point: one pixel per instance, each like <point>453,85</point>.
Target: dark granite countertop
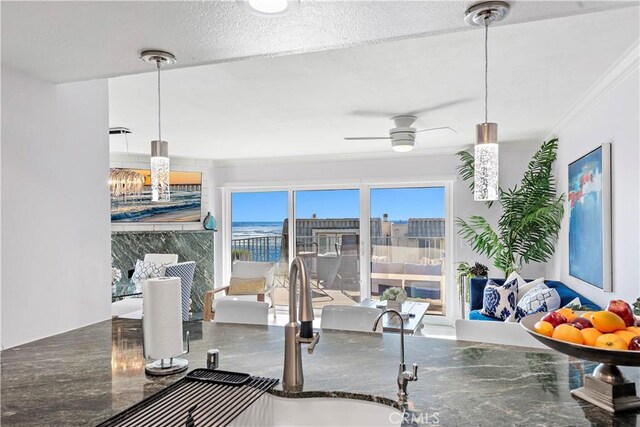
<point>85,376</point>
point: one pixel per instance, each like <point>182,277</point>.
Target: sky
<point>399,203</point>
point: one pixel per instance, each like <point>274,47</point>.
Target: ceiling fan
<point>402,135</point>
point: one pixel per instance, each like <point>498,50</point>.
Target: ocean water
<point>249,237</point>
<point>184,206</point>
<point>243,230</point>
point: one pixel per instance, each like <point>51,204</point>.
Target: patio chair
<point>243,312</point>
<point>244,289</point>
<point>308,251</point>
<point>350,318</point>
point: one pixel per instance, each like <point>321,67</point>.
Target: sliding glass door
<point>408,243</point>
<point>328,238</point>
<point>258,232</point>
<point>356,242</point>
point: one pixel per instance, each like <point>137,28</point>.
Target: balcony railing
<point>260,249</point>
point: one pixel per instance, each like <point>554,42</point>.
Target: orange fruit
<point>611,342</point>
<point>567,313</point>
<point>543,328</point>
<point>590,335</point>
<point>566,332</point>
<point>626,335</point>
<point>587,314</point>
<point>606,321</point>
<point>634,329</point>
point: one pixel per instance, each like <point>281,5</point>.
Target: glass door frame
<point>365,226</point>
<point>364,187</point>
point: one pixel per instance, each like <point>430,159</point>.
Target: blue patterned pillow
<point>500,301</point>
<point>521,313</point>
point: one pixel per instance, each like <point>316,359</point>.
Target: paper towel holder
<point>166,366</point>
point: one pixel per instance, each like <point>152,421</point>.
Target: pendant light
<point>160,171</point>
<point>486,150</point>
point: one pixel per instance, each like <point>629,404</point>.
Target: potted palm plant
<point>531,215</point>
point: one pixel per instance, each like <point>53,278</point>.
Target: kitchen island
<point>85,376</point>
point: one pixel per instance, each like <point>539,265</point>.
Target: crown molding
<point>618,72</point>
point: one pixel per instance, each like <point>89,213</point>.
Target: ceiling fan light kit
<point>403,135</point>
<point>159,163</point>
<point>486,165</point>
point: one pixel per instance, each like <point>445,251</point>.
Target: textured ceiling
<point>69,41</point>
<point>305,104</point>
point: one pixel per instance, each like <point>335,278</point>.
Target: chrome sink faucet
<point>296,333</point>
<point>404,376</point>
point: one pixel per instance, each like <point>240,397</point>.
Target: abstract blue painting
<point>590,218</point>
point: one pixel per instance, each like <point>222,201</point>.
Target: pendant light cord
<point>486,68</point>
<point>159,108</point>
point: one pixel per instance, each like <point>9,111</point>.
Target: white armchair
<point>244,270</point>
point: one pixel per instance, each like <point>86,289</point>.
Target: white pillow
<point>515,275</point>
<point>539,295</point>
<point>147,269</point>
<point>499,301</point>
<point>527,286</point>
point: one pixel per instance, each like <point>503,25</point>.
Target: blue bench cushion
<point>476,315</point>
<point>566,294</point>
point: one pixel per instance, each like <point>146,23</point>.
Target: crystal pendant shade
<point>486,172</point>
<point>486,178</point>
<point>487,163</point>
<point>160,171</point>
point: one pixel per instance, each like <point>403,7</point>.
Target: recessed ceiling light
<point>269,7</point>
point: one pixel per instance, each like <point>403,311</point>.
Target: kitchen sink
<point>270,410</point>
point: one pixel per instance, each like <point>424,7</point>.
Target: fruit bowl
<point>594,354</point>
<point>607,387</point>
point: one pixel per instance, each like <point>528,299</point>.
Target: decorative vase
<point>209,222</point>
<point>394,305</point>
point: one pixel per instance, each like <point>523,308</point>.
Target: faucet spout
<point>375,326</point>
<point>296,333</point>
<point>404,376</point>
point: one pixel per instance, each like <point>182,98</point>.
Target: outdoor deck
<point>339,298</point>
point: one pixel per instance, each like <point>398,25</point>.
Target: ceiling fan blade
<point>440,128</point>
<point>356,138</point>
<point>440,106</point>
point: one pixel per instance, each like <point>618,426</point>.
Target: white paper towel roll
<point>161,306</point>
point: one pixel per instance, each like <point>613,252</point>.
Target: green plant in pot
<point>528,228</point>
<point>394,298</point>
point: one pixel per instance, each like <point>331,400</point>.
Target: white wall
<point>140,161</point>
<point>55,207</point>
<point>393,168</point>
<point>611,116</point>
